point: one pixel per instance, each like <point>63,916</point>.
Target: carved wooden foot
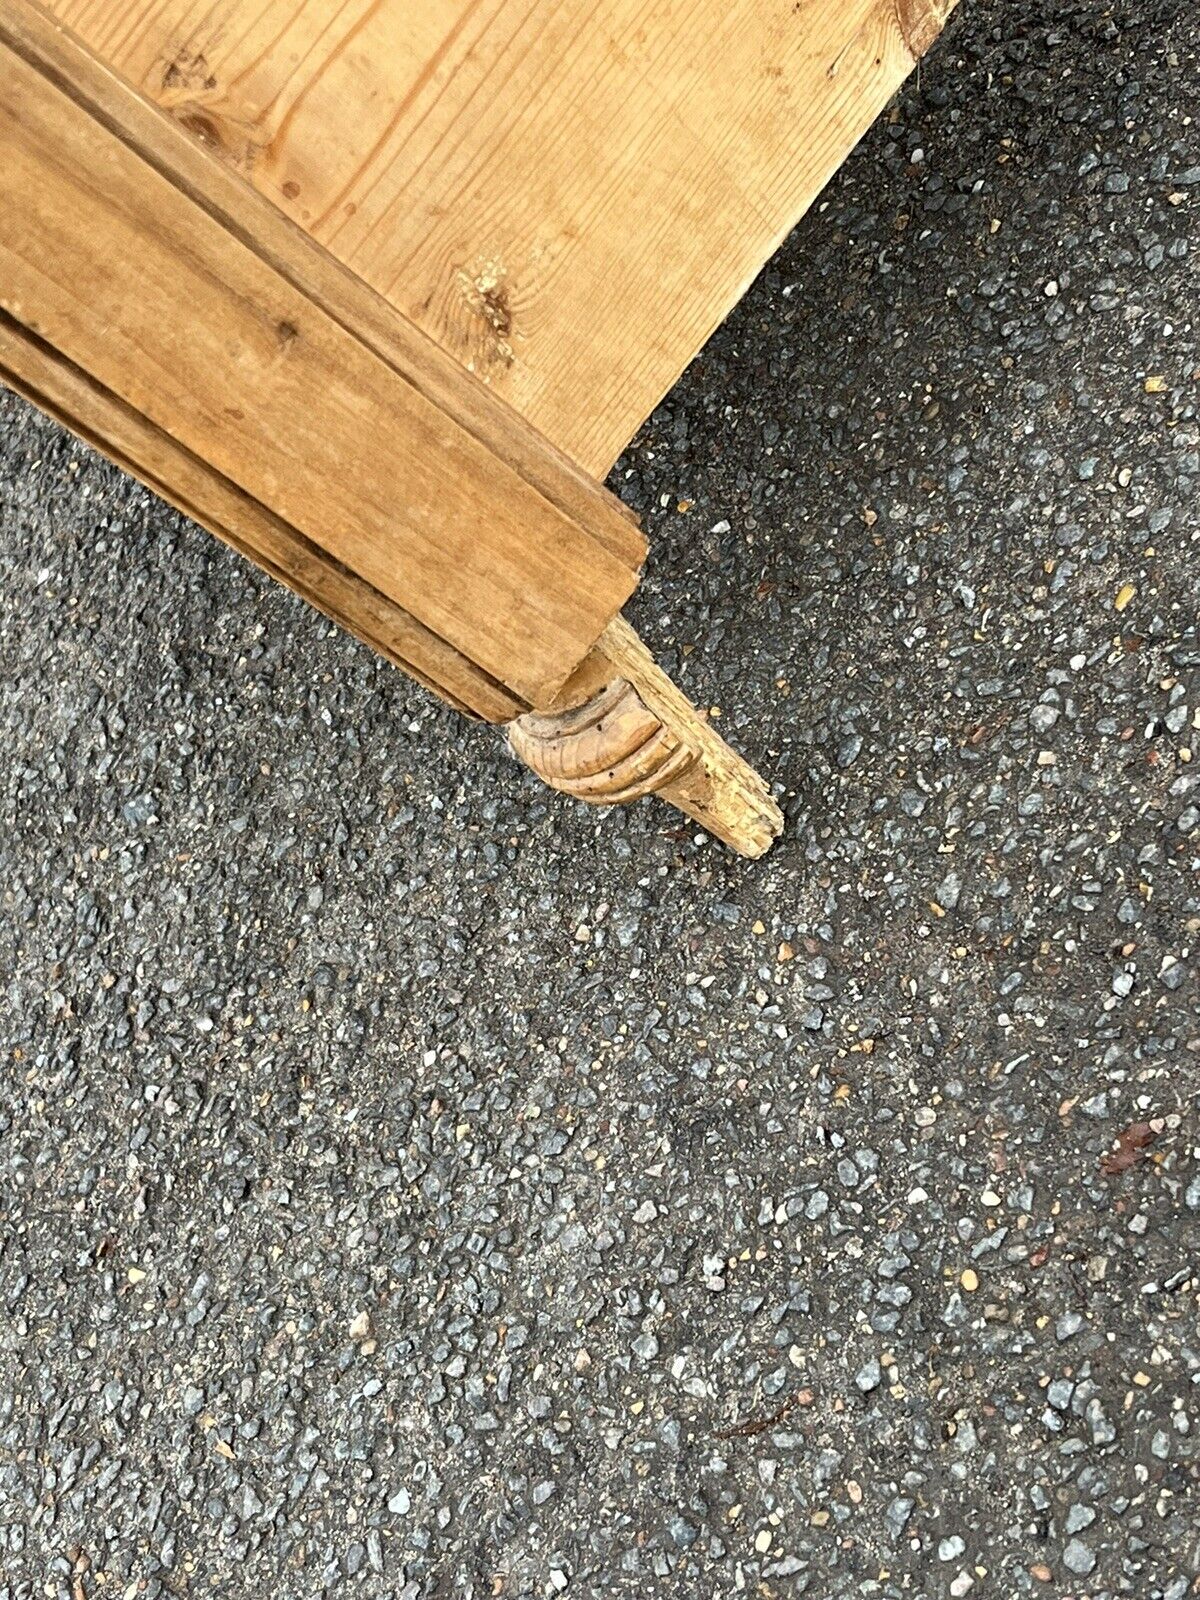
<point>620,730</point>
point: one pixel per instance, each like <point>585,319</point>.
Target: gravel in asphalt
<point>416,1185</point>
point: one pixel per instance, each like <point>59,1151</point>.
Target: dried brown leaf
<point>1131,1142</point>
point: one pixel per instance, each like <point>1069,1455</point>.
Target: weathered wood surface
<point>171,315</point>
<point>567,198</point>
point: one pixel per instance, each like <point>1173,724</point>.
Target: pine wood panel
<point>567,195</point>
<point>184,304</point>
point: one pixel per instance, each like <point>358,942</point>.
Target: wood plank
<point>44,377</point>
<point>189,164</point>
<point>567,198</point>
<point>145,268</point>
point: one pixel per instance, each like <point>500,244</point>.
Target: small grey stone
<point>896,1516</point>
<point>1102,1429</point>
<point>1077,1558</point>
<point>246,1503</point>
<point>375,1550</point>
<point>1059,1393</point>
<point>948,891</point>
<point>868,1377</point>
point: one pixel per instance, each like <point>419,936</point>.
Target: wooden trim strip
<point>45,378</point>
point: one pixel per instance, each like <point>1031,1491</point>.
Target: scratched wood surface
<point>568,197</point>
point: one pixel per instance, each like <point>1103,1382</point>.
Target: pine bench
<point>377,290</point>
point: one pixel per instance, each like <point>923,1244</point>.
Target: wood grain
<point>567,197</point>
<point>170,288</point>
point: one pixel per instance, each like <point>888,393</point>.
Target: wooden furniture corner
<point>376,290</point>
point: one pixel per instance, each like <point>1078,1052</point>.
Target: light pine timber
<point>178,295</point>
<point>579,316</point>
<point>139,284</point>
<point>567,197</point>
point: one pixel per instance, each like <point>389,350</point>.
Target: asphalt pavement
<point>413,1184</point>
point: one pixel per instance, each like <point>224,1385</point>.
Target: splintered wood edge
<point>637,734</point>
<point>921,21</point>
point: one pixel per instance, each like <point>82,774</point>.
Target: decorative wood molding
<point>625,731</point>
<point>608,751</point>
